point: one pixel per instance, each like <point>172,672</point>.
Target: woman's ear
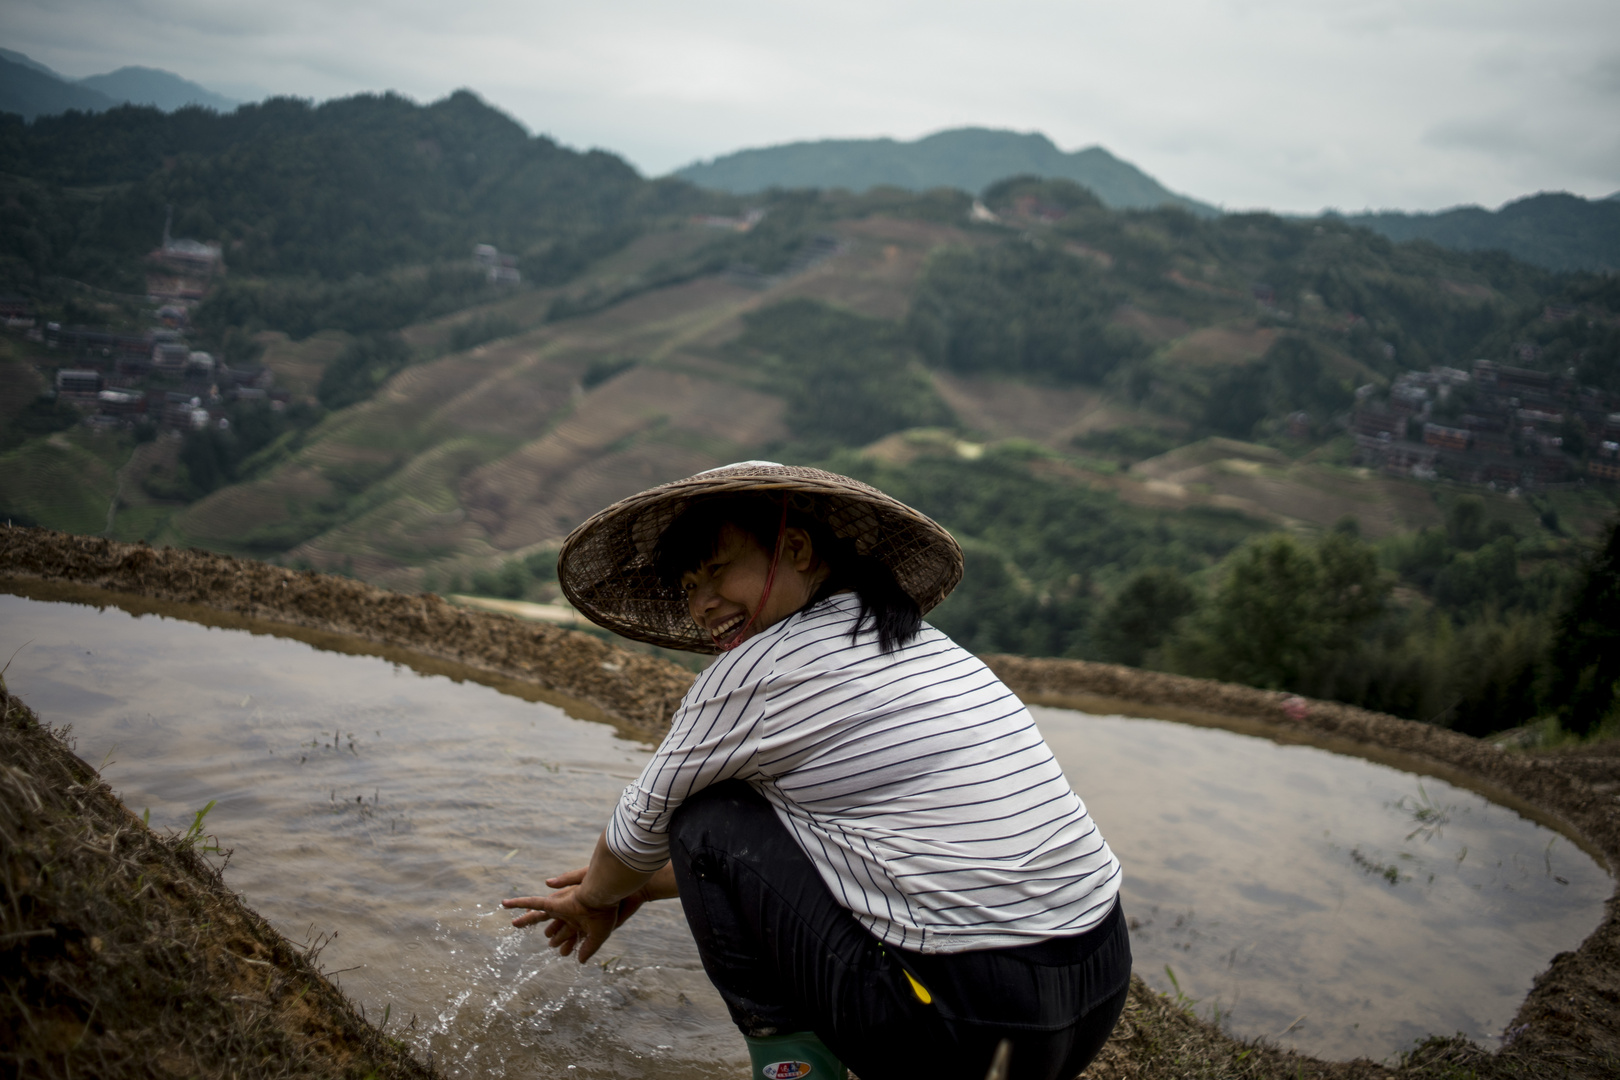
<point>799,549</point>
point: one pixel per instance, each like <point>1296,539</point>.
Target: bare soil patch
<point>1003,409</point>
<point>298,365</point>
<point>1221,345</point>
<point>875,272</point>
<point>587,460</point>
<point>1157,329</point>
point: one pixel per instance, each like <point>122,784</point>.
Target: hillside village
<point>1496,426</point>
<point>152,378</point>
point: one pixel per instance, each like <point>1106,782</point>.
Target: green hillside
<point>969,159</point>
<point>1136,421</point>
<point>1557,231</point>
<point>361,186</point>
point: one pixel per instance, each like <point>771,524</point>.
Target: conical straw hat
<point>606,565</point>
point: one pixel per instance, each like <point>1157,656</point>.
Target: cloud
<point>1602,76</point>
<point>1288,104</point>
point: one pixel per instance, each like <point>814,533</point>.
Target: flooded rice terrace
<point>1342,907</point>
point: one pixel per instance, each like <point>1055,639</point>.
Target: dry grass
<point>1219,346</point>
<point>298,365</point>
<point>1159,1038</point>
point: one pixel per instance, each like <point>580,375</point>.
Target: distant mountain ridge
<point>1555,231</point>
<point>28,91</point>
<point>32,89</point>
<point>153,86</point>
<point>969,159</point>
<point>1558,231</point>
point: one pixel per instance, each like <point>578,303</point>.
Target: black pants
<point>786,956</point>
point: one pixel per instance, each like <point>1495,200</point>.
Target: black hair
<point>694,537</point>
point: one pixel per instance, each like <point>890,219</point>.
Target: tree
<point>1351,592</point>
<point>1023,309</point>
<point>1465,522</point>
<point>1283,612</point>
<point>364,365</point>
<point>847,378</point>
<point>1142,616</point>
<point>1586,649</point>
<point>1291,375</point>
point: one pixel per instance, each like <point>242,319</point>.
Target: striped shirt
<point>915,781</point>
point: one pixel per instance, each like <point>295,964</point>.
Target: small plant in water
<point>1183,1002</point>
<point>194,837</point>
<point>1390,873</point>
<point>1429,816</point>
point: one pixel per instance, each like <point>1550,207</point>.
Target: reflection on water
<point>394,811</point>
<point>1349,905</point>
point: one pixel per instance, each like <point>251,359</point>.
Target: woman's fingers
<point>570,927</point>
<point>562,881</point>
<point>540,908</point>
<point>522,901</point>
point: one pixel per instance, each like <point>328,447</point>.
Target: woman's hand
<point>591,903</point>
<point>574,923</point>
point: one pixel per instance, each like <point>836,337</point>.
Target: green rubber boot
<point>793,1057</point>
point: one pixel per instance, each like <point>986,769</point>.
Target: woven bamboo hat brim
<point>606,565</point>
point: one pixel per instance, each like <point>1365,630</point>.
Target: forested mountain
<point>29,89</point>
<point>28,62</point>
<point>1558,231</point>
<point>969,159</point>
<point>1555,231</point>
<point>361,185</point>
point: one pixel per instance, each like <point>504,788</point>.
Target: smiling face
<point>724,591</point>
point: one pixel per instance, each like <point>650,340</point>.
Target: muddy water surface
<point>1346,907</point>
<point>393,810</point>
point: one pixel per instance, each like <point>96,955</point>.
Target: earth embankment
<point>635,690</point>
<point>125,954</point>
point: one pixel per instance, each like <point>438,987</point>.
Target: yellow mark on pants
<point>920,990</point>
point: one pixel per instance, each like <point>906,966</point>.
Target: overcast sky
<point>1291,105</point>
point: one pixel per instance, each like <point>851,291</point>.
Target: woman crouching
<point>880,859</point>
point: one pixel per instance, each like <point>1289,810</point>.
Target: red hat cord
<point>770,579</point>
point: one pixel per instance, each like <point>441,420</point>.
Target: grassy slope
<point>66,480</point>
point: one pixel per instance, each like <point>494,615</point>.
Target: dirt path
<point>1568,1026</point>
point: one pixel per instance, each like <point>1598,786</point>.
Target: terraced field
<point>499,449</point>
<point>61,479</point>
<point>471,456</point>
